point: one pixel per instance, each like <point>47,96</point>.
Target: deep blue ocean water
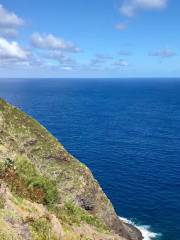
<point>126,131</point>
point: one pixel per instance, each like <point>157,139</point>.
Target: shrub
<point>48,187</point>
<point>9,163</point>
<point>27,171</point>
<point>25,180</point>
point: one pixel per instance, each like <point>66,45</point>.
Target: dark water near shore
<point>127,132</point>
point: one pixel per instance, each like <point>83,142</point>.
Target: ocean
<point>126,130</point>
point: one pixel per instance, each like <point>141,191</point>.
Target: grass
<point>25,181</point>
<point>72,214</point>
<point>2,202</point>
<point>7,233</point>
<point>41,230</point>
<point>26,169</point>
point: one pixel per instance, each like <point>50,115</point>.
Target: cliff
<point>45,193</point>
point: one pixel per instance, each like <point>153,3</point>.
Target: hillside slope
<point>45,193</point>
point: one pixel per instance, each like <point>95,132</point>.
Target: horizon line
<point>1,78</point>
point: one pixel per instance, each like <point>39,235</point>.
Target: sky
<point>92,38</point>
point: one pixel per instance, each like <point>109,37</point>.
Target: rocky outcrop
<point>24,142</point>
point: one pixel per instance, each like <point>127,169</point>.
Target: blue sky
<point>92,38</point>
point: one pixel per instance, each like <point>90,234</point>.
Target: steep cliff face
<point>35,168</point>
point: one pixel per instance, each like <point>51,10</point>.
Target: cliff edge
<point>45,193</point>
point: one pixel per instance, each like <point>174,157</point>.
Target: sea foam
<point>145,230</point>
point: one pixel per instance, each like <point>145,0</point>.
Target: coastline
<point>145,230</point>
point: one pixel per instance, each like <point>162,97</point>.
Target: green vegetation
<point>41,230</point>
<point>26,169</point>
<point>72,214</point>
<point>24,180</point>
<point>2,169</point>
<point>1,202</point>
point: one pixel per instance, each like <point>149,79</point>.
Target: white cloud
<point>9,22</point>
<point>52,43</point>
<point>131,7</point>
<point>121,63</point>
<point>11,51</point>
<point>9,19</point>
<point>164,53</point>
<point>121,26</point>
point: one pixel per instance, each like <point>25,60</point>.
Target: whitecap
<point>145,230</point>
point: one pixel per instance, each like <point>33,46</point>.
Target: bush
<point>24,179</point>
<point>27,170</point>
<point>48,187</point>
<point>9,163</point>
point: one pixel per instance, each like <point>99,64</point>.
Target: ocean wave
<point>145,230</point>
